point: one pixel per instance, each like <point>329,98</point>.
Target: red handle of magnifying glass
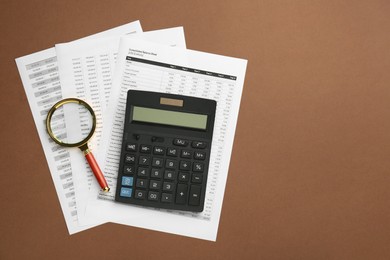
<point>96,170</point>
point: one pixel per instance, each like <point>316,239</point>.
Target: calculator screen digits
<point>166,117</point>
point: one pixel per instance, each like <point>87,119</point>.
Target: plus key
<point>181,193</point>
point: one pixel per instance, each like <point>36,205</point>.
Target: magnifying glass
<point>75,130</point>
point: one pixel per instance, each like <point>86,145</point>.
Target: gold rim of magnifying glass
<point>61,103</point>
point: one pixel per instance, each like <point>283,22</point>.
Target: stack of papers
<point>98,70</point>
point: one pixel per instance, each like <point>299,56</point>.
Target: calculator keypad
<point>168,174</point>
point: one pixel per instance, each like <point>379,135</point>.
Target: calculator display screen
<point>166,117</point>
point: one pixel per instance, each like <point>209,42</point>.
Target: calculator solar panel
<point>165,151</point>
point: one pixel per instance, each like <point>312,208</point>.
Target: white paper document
<point>86,69</point>
<point>41,81</point>
<point>146,66</point>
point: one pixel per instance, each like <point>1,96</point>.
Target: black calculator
<point>165,151</point>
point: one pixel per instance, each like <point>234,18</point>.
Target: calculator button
<point>172,152</point>
<point>143,172</point>
<point>140,194</point>
<point>141,183</point>
<point>185,165</point>
<point>180,142</point>
<point>199,155</point>
<point>194,195</point>
<point>199,144</point>
<point>196,178</point>
<point>129,158</point>
<point>171,164</point>
<point>144,160</point>
<point>126,192</point>
<point>198,167</point>
<point>158,150</point>
<point>145,148</point>
<point>181,193</point>
<point>157,162</point>
<point>186,154</point>
<point>169,175</point>
<point>156,173</point>
<point>168,186</point>
<point>128,169</point>
<point>127,181</point>
<point>166,197</point>
<point>153,195</point>
<point>184,176</point>
<point>155,185</point>
<point>131,147</point>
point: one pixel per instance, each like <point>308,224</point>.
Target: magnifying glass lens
<point>71,124</point>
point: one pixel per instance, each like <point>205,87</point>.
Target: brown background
<point>309,174</point>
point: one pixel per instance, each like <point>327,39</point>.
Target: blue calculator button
<point>126,192</point>
<point>127,181</point>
